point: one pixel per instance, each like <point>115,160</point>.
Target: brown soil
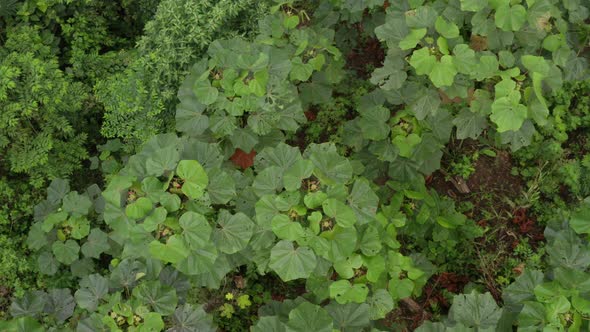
<point>368,55</point>
<point>491,178</point>
<point>493,194</point>
<point>5,294</point>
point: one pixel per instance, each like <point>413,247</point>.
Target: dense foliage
<point>295,165</point>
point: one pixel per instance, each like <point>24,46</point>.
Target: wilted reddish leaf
<point>478,43</point>
<point>243,159</point>
<point>240,282</point>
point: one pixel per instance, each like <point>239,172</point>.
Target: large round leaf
<point>196,229</point>
<point>345,292</point>
<point>199,261</point>
<point>75,203</point>
<point>96,244</point>
<point>139,209</point>
<point>173,251</point>
<point>286,229</point>
<point>308,317</point>
<point>290,263</point>
<point>349,317</point>
<point>47,263</point>
<point>194,176</point>
<point>205,93</point>
<point>93,288</point>
<point>188,319</point>
<point>344,215</point>
<point>161,299</point>
<point>66,252</point>
<point>233,232</point>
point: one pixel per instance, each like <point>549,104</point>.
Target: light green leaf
<point>172,252</point>
<point>508,114</point>
<point>488,67</point>
<point>291,22</point>
<point>349,317</point>
<point>314,199</point>
<point>192,170</point>
<point>286,229</point>
<point>139,209</point>
<point>478,311</point>
<point>189,318</point>
<point>67,252</point>
<point>510,18</point>
<point>268,324</point>
<point>443,73</point>
<point>448,30</point>
<point>536,64</point>
<point>161,161</point>
<point>504,88</point>
<point>269,181</point>
<point>75,203</point>
<point>370,244</point>
<point>156,218</point>
<point>196,229</point>
<point>198,261</point>
<point>299,70</point>
<point>308,317</point>
<point>580,220</point>
<point>330,167</point>
<point>161,299</point>
<point>318,61</point>
<point>412,39</point>
<point>205,93</point>
<point>401,289</point>
<point>258,84</point>
<point>292,178</point>
<point>380,304</point>
<point>171,202</point>
<point>345,292</point>
<point>80,227</point>
<point>290,263</point>
<point>233,232</point>
<point>363,201</point>
<point>342,242</point>
<point>344,215</point>
<point>406,144</point>
<point>422,61</point>
<point>53,220</point>
<point>346,267</point>
<point>473,5</point>
<point>222,187</point>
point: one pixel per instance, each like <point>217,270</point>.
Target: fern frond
<point>8,7</point>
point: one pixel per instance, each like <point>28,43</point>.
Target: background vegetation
<point>293,165</point>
